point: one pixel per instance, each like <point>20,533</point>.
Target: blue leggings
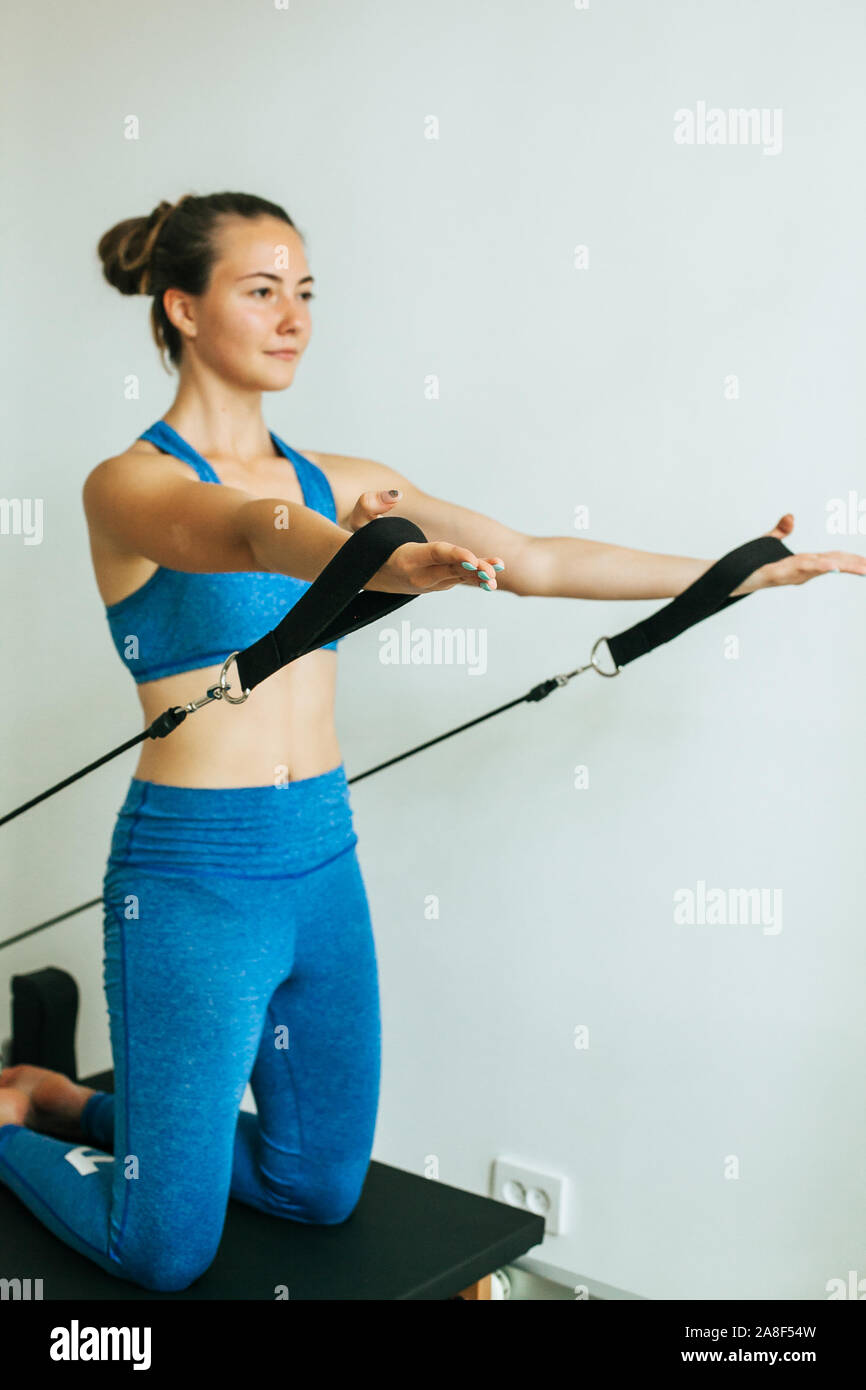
<point>237,947</point>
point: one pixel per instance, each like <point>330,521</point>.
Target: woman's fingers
<point>371,505</point>
<point>798,569</point>
<point>432,565</point>
<point>840,562</point>
<point>784,526</point>
<point>454,564</point>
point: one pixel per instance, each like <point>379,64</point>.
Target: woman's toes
<point>14,1107</point>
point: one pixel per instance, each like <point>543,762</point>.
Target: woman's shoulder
<point>117,464</point>
<point>107,480</point>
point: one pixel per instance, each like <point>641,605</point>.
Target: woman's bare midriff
<point>283,732</point>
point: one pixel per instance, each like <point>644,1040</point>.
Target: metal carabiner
<point>592,664</point>
<point>214,693</point>
<point>218,692</point>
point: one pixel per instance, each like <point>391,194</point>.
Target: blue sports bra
<point>180,622</point>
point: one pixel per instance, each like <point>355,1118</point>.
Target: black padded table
<point>408,1238</point>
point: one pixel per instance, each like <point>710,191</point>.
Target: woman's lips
<point>287,353</point>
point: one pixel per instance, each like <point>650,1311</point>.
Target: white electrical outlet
<point>541,1193</point>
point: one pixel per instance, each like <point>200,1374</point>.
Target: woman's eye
<point>266,289</point>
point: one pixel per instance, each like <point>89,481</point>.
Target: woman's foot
<point>46,1101</point>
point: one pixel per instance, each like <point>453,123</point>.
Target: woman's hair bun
<point>125,250</point>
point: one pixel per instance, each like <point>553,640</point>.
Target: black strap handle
<point>708,594</point>
<point>332,607</point>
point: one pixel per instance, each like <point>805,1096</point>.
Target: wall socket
<point>541,1193</point>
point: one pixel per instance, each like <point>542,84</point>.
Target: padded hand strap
<point>333,607</point>
<point>708,595</point>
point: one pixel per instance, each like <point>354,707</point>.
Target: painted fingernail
<point>467,566</point>
<point>499,567</point>
<point>486,588</point>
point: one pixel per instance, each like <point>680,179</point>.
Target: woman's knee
<point>334,1206</point>
<point>168,1270</point>
<point>325,1196</point>
<point>167,1262</point>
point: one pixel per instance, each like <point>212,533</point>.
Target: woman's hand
<point>416,568</point>
<point>797,569</point>
<point>422,568</point>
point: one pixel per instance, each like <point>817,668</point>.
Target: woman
<point>238,942</point>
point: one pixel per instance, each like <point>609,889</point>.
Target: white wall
<point>559,387</point>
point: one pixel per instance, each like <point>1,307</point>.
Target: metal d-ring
<point>223,685</point>
<point>594,663</point>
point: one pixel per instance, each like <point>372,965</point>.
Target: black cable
<point>130,743</point>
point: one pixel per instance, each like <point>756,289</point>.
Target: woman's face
<point>256,305</point>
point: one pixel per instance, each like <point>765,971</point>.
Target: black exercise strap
<point>332,608</point>
<point>708,595</point>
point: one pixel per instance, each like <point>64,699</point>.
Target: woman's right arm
<point>176,522</point>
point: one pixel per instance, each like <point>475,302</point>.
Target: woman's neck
<point>220,420</point>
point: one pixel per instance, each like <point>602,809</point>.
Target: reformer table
<point>408,1238</point>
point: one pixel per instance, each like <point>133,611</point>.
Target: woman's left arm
<point>556,566</point>
<point>579,568</point>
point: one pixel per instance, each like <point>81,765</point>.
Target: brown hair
<point>174,248</point>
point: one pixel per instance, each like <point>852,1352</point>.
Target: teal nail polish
<point>499,567</point>
<point>486,587</point>
<point>467,566</point>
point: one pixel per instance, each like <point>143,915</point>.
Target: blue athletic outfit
<point>238,947</point>
<point>181,622</point>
